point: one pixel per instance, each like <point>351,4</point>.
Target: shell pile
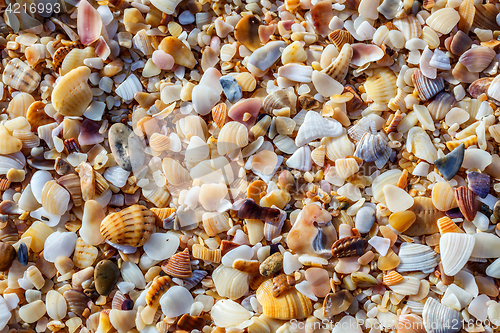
<point>257,166</point>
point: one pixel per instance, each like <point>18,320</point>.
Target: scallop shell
<point>279,99</point>
<point>55,198</point>
<point>247,32</point>
<point>443,20</point>
<point>456,249</point>
<point>373,148</point>
<point>72,95</point>
<point>417,257</point>
<point>179,265</point>
<point>290,305</point>
<point>477,59</point>
<point>340,37</point>
<point>18,75</point>
<point>392,278</point>
<point>440,106</point>
<point>230,282</point>
<point>381,86</point>
<point>427,216</point>
<point>215,223</point>
<point>443,196</point>
<point>232,136</point>
<point>131,226</point>
<point>246,81</point>
<point>84,255</point>
<point>175,173</point>
<point>339,66</point>
<point>409,286</point>
<point>205,254</point>
<point>467,203</point>
<point>445,224</point>
<point>438,318</point>
<point>410,26</point>
<point>426,88</point>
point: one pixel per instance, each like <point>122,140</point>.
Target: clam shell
<point>485,16</point>
<point>493,270</point>
<point>427,216</point>
<point>390,177</point>
<point>479,183</point>
<point>279,99</point>
<point>19,105</point>
<point>467,204</point>
<point>215,223</point>
<point>247,32</point>
<point>55,198</point>
<point>443,196</point>
<point>340,37</point>
<point>8,143</point>
<point>206,254</point>
<point>230,282</point>
<point>392,278</point>
<point>290,305</point>
<point>76,300</point>
<point>426,88</point>
<point>477,59</point>
<point>232,136</point>
<point>450,164</point>
<point>417,257</point>
<point>339,147</point>
<point>227,313</point>
<point>410,26</point>
<point>56,305</point>
<point>18,75</point>
<point>89,23</point>
<point>381,86</point>
<point>72,95</point>
<point>443,20</point>
<point>445,224</point>
<point>131,226</point>
<point>408,286</point>
<point>32,312</point>
<point>179,265</point>
<point>84,255</point>
<point>456,249</point>
<point>339,66</point>
<point>440,106</point>
<point>438,318</point>
<point>175,173</point>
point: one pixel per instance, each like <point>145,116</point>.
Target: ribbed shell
<point>156,290</point>
<point>71,182</point>
<point>77,301</point>
<point>230,282</point>
<point>349,247</point>
<point>72,95</point>
<point>339,147</point>
<point>427,216</point>
<point>426,88</point>
<point>439,318</point>
<point>440,106</point>
<point>445,224</point>
<point>219,114</point>
<point>179,265</point>
<point>279,99</point>
<point>289,305</point>
<point>214,223</point>
<point>340,65</point>
<point>392,278</point>
<point>18,75</point>
<point>417,257</point>
<point>467,203</point>
<point>206,254</point>
<point>456,249</point>
<point>232,136</point>
<point>131,226</point>
<point>84,255</point>
<point>443,196</point>
<point>410,26</point>
<point>340,37</point>
<point>381,86</point>
<point>55,198</point>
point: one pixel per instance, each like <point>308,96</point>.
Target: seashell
<point>230,282</point>
<point>227,313</point>
<point>219,114</point>
<point>232,136</point>
<point>426,88</point>
<point>245,111</point>
<point>132,273</point>
<point>205,254</point>
<point>55,198</point>
<point>231,89</point>
<point>479,183</point>
<point>365,53</point>
<point>337,70</point>
<point>436,317</point>
<point>401,221</point>
<point>410,26</point>
<point>371,148</point>
<point>427,216</point>
<point>56,305</point>
<point>321,15</point>
<point>87,181</point>
<point>290,305</point>
<point>175,173</point>
<point>215,223</point>
<point>477,59</point>
<point>410,323</point>
<point>179,265</point>
<point>247,32</point>
<point>247,266</point>
<point>456,249</point>
<point>485,17</point>
<point>450,164</point>
<point>318,155</point>
<point>72,95</point>
<point>486,245</point>
<point>315,127</point>
<point>8,143</point>
<point>307,102</point>
<point>188,323</point>
<point>296,72</point>
<point>156,290</point>
<point>392,126</point>
<point>19,105</point>
<point>389,261</point>
<point>162,214</point>
<point>28,138</point>
<point>293,53</point>
<point>84,255</point>
<point>340,37</point>
<point>89,23</point>
<point>443,196</point>
<point>440,106</point>
<point>336,303</point>
<point>62,52</point>
<point>279,99</point>
<point>18,75</point>
<point>339,147</point>
<point>122,320</point>
<point>131,226</point>
<point>420,145</point>
<point>479,86</point>
<point>32,312</point>
<point>445,224</point>
<point>392,278</point>
<point>417,257</point>
<point>77,301</point>
<point>346,167</point>
<point>300,159</point>
<point>409,286</point>
<point>466,11</point>
<point>182,55</point>
<point>349,247</point>
<point>166,6</point>
<point>443,20</point>
<point>263,57</point>
<point>467,204</point>
<point>381,86</point>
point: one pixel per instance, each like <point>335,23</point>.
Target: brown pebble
<point>272,264</point>
<point>7,256</point>
<point>189,323</point>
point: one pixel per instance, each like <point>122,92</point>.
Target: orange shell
<point>179,265</point>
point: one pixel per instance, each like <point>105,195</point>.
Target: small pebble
<point>105,276</point>
<point>231,88</point>
<point>271,265</point>
<point>7,256</point>
<point>186,17</point>
<point>22,254</point>
<point>365,217</point>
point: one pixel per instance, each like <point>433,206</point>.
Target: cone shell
<point>182,55</point>
<point>289,305</point>
<point>340,37</point>
<point>445,224</point>
<point>230,282</point>
<point>72,95</point>
<point>381,86</point>
<point>219,114</point>
<point>392,278</point>
<point>205,254</point>
<point>156,290</point>
<point>232,136</point>
<point>179,265</point>
<point>18,75</point>
<point>467,204</point>
<point>55,198</point>
<point>427,216</point>
<point>71,182</point>
<point>443,196</point>
<point>131,226</point>
<point>84,255</point>
<point>401,221</point>
<point>456,249</point>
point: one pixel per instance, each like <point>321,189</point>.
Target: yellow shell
<point>18,75</point>
<point>443,196</point>
<point>205,254</point>
<point>19,104</point>
<point>179,265</point>
<point>75,58</point>
<point>341,37</point>
<point>232,136</point>
<point>401,221</point>
<point>36,115</point>
<point>156,290</point>
<point>84,255</point>
<point>162,213</point>
<point>8,143</point>
<point>247,32</point>
<point>179,51</point>
<point>38,232</point>
<point>214,223</point>
<point>389,261</point>
<point>445,224</point>
<point>176,174</point>
<point>219,114</point>
<point>246,81</point>
<point>289,305</point>
<point>381,86</point>
<point>346,167</point>
<point>72,95</point>
<point>392,278</point>
<point>468,141</point>
<point>427,216</point>
<point>131,226</point>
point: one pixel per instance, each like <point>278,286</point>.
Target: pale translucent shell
<point>493,270</point>
<point>346,167</point>
<point>38,232</point>
<point>5,314</point>
<point>436,314</point>
<point>72,95</point>
<point>93,214</point>
<point>230,282</point>
<point>56,305</point>
<point>443,196</point>
<point>84,255</point>
<point>176,301</point>
<point>227,313</point>
<point>339,147</point>
<point>176,174</point>
<point>161,246</point>
<point>486,246</point>
<point>417,257</point>
<point>232,136</point>
<point>55,198</point>
<point>59,244</point>
<point>408,286</point>
<point>456,249</point>
<point>456,116</point>
<point>389,177</point>
<point>31,312</point>
<point>410,323</point>
<point>443,20</point>
<point>122,320</point>
<point>420,145</point>
<point>214,223</point>
<point>397,199</point>
<point>132,273</point>
<point>166,6</point>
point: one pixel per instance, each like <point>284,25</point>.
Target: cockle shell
<point>426,88</point>
<point>179,265</point>
<point>408,286</point>
<point>410,26</point>
<point>349,247</point>
<point>72,95</point>
<point>417,257</point>
<point>131,226</point>
<point>230,282</point>
<point>443,196</point>
<point>55,198</point>
<point>340,37</point>
<point>84,255</point>
<point>443,20</point>
<point>381,86</point>
<point>315,127</point>
<point>18,75</point>
<point>477,58</point>
<point>182,55</point>
<point>339,66</point>
<point>467,204</point>
<point>445,224</point>
<point>456,249</point>
<point>290,305</point>
<point>439,318</point>
<point>232,136</point>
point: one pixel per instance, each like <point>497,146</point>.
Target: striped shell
<point>219,114</point>
<point>443,196</point>
<point>381,86</point>
<point>392,278</point>
<point>232,136</point>
<point>230,282</point>
<point>179,265</point>
<point>426,88</point>
<point>340,37</point>
<point>131,226</point>
<point>206,254</point>
<point>156,290</point>
<point>214,223</point>
<point>55,198</point>
<point>18,75</point>
<point>84,255</point>
<point>290,305</point>
<point>445,224</point>
<point>62,52</point>
<point>349,247</point>
<point>71,182</point>
<point>72,95</point>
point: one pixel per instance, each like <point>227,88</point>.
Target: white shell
<point>5,314</point>
<point>316,127</point>
<point>56,305</point>
<point>420,145</point>
<point>456,298</point>
<point>296,72</point>
<point>338,147</point>
<point>59,244</point>
<point>301,159</point>
<point>232,136</point>
<point>132,273</point>
<point>227,313</point>
<point>397,199</point>
<point>128,88</point>
<point>389,177</point>
<point>230,282</point>
<point>439,318</point>
<point>493,270</point>
<point>456,249</point>
<point>417,257</point>
<point>161,246</point>
<point>486,246</point>
<point>409,286</point>
<point>176,301</point>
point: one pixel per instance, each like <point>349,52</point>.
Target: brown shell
<point>467,203</point>
<point>227,246</point>
<point>479,87</point>
<point>219,114</point>
<point>280,284</point>
<point>36,115</point>
<point>18,75</point>
<point>131,226</point>
<point>394,122</point>
<point>307,102</point>
<point>467,11</point>
<point>356,102</point>
<point>485,17</point>
<point>349,247</point>
<point>156,290</point>
<point>427,216</point>
<point>189,323</point>
<point>71,182</point>
<point>247,32</point>
<point>77,301</point>
<point>321,15</point>
<point>340,37</point>
<point>256,190</point>
<point>179,265</point>
<point>247,266</point>
<point>62,52</point>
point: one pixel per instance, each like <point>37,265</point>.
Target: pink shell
<point>163,60</point>
<point>249,105</point>
<point>102,49</point>
<point>88,23</point>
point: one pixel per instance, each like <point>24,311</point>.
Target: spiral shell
<point>179,265</point>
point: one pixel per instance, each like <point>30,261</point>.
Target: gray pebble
<point>186,17</point>
<point>126,147</point>
<point>365,217</point>
<point>231,88</point>
<point>105,276</point>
